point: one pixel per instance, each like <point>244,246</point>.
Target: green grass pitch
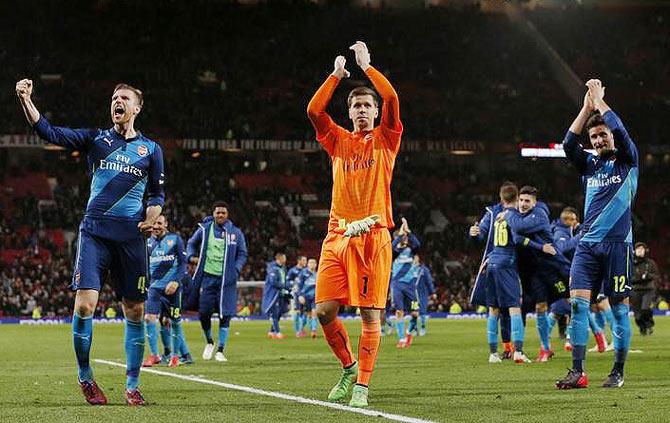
<point>443,377</point>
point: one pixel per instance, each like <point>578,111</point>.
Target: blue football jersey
<point>293,277</point>
<point>167,260</point>
<point>609,183</point>
<point>307,283</point>
<point>122,171</point>
<point>402,266</point>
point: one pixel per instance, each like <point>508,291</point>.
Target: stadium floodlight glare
<point>555,150</point>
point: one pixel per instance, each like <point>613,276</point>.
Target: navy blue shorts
<point>548,285</point>
<point>561,307</point>
<point>603,265</point>
<point>310,304</point>
<point>503,287</point>
<point>158,302</point>
<point>404,297</point>
<point>125,260</point>
<point>296,302</point>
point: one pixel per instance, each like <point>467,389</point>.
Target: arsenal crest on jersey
<point>142,150</point>
<point>170,242</point>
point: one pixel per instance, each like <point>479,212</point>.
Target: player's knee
<point>541,307</point>
<point>84,309</point>
<point>150,318</point>
<point>370,315</point>
<point>133,310</point>
<point>325,314</point>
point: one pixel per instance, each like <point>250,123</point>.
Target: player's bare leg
<point>82,334</point>
<point>338,339</point>
<point>134,345</point>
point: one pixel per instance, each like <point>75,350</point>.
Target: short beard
<point>607,153</point>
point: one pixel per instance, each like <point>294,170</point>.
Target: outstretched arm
<point>625,146</point>
<point>316,109</point>
<point>74,139</point>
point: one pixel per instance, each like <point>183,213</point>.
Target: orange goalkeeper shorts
<point>355,271</point>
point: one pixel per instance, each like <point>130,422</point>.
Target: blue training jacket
<point>275,283</point>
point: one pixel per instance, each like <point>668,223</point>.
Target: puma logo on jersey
<point>108,141</point>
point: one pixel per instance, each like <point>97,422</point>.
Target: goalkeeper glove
<point>358,227</point>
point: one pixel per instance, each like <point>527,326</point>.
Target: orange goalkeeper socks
<point>338,339</point>
<point>368,345</point>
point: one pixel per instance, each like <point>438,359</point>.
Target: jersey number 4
<point>500,234</point>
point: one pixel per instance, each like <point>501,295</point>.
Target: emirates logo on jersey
<point>142,150</point>
<point>357,162</point>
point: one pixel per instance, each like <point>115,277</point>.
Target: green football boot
<point>343,387</point>
<point>359,397</point>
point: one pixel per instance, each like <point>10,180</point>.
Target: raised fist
<point>24,89</point>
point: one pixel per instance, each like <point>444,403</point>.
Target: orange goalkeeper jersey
<point>362,161</point>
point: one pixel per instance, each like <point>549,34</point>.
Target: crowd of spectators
<point>246,71</point>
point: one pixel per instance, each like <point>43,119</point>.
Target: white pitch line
<point>288,397</point>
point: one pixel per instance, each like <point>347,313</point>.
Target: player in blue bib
<point>603,256</point>
<point>218,249</point>
<point>307,294</point>
<point>167,266</point>
<point>124,166</point>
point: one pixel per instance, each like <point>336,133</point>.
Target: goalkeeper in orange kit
<point>356,256</point>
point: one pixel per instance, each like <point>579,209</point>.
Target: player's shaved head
<point>509,193</point>
<point>570,209</point>
<point>362,91</point>
<point>569,217</point>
